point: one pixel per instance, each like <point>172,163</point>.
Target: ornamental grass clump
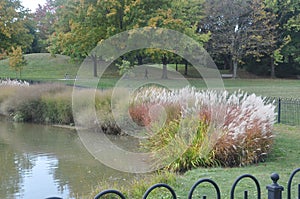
<point>45,103</point>
<point>204,128</point>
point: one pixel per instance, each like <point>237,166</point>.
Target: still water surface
<point>41,161</point>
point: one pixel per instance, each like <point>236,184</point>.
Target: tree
<point>227,20</point>
<point>263,38</point>
<point>13,30</point>
<point>191,13</point>
<point>83,24</point>
<point>45,19</point>
<point>288,14</point>
<point>17,60</point>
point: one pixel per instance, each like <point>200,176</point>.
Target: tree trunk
<point>165,71</point>
<point>235,66</point>
<point>186,67</point>
<point>228,63</point>
<point>139,59</point>
<point>272,68</point>
<point>177,66</point>
<point>94,58</point>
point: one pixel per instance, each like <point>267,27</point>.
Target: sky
<point>32,4</point>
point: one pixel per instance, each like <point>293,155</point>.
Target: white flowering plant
<point>9,82</point>
<point>211,127</point>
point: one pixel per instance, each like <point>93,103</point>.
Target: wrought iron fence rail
<point>274,190</point>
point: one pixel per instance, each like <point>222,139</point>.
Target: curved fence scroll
<point>274,190</point>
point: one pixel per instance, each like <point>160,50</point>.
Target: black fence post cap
<point>274,178</point>
<point>275,186</point>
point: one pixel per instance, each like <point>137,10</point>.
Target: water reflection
<point>39,173</point>
<point>41,161</point>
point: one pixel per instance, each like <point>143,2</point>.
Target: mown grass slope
<point>42,67</point>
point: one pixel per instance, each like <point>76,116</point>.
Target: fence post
<point>274,190</point>
<point>279,111</point>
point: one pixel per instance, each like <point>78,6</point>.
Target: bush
<point>58,108</point>
<point>208,128</point>
<point>49,103</point>
<point>85,109</point>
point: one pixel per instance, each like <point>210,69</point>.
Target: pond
<point>40,161</point>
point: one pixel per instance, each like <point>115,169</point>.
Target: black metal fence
<point>274,190</point>
<point>288,111</point>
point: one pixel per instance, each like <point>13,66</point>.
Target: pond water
<point>40,161</point>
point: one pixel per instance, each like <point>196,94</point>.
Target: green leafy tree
<point>13,25</point>
<point>84,24</point>
<point>44,18</point>
<point>263,35</point>
<point>288,14</point>
<point>17,60</point>
<point>227,21</point>
<point>82,32</point>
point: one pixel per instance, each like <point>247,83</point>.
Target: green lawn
<point>284,88</point>
<point>283,160</point>
<point>42,67</point>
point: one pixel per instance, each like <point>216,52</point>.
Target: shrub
<point>104,113</point>
<point>205,128</point>
<point>48,103</point>
<point>58,108</point>
<point>85,110</point>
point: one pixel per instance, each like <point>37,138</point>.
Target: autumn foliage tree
<point>263,39</point>
<point>17,60</point>
<point>44,17</point>
<point>90,22</point>
<point>231,30</point>
<point>14,21</point>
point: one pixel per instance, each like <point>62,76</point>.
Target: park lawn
<point>45,68</point>
<point>42,67</point>
<point>284,88</point>
<point>283,159</point>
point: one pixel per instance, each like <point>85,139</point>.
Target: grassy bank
<point>284,88</point>
<point>42,67</point>
<point>263,87</point>
<point>45,68</point>
<point>52,104</point>
<point>47,103</point>
<point>283,159</point>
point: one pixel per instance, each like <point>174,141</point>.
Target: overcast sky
<point>32,4</point>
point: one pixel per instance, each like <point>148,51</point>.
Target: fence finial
<point>274,190</point>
